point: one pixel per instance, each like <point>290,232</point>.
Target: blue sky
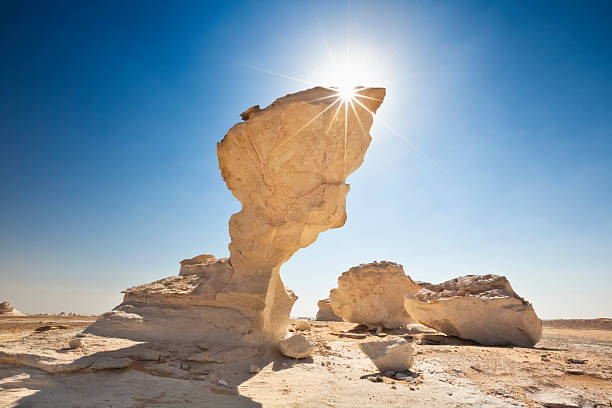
<point>491,154</point>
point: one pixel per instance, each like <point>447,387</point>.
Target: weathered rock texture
<point>6,309</point>
<point>483,308</point>
<point>296,346</point>
<point>373,295</point>
<point>391,355</point>
<point>287,164</point>
<point>326,313</point>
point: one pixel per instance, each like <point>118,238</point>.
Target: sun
<point>346,92</point>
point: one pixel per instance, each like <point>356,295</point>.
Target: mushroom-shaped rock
<point>287,164</point>
<point>392,355</point>
<point>326,313</point>
<point>296,346</point>
<point>6,309</point>
<point>483,308</point>
<point>373,295</point>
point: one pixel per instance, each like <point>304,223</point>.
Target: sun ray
<point>303,127</point>
<point>345,129</point>
<point>357,116</point>
<point>412,145</point>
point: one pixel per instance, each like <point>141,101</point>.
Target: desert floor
<point>38,369</point>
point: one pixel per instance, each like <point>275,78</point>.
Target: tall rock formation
<point>373,295</point>
<point>287,164</point>
<point>483,308</point>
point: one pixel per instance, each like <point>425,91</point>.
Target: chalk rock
<point>296,346</point>
<point>373,295</point>
<point>392,355</point>
<point>6,309</point>
<point>302,325</point>
<point>287,165</point>
<point>76,343</point>
<point>203,265</point>
<point>483,308</point>
<point>326,313</point>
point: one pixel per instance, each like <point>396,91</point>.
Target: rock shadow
<point>444,340</point>
<point>284,363</point>
<point>136,376</point>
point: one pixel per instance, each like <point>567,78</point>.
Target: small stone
<point>302,325</point>
<point>394,355</point>
<point>401,376</point>
<point>76,343</point>
<point>254,369</point>
<point>223,383</point>
<point>574,372</point>
<point>296,346</point>
<point>575,361</point>
<point>394,387</point>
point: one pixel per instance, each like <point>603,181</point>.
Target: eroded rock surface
<point>373,295</point>
<point>296,346</point>
<point>326,313</point>
<point>392,355</point>
<point>6,309</point>
<point>287,164</point>
<point>483,308</point>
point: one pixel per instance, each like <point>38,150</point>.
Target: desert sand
<point>570,367</point>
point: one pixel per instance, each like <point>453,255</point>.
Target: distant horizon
<point>492,152</point>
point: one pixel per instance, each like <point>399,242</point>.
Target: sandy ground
<point>570,367</point>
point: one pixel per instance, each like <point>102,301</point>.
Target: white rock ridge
<point>483,308</point>
<point>287,164</point>
<point>6,309</point>
<point>326,313</point>
<point>373,295</point>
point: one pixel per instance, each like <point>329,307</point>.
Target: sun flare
<point>346,92</point>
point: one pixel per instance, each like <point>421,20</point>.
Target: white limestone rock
<point>483,308</point>
<point>302,325</point>
<point>76,343</point>
<point>296,346</point>
<point>287,165</point>
<point>326,313</point>
<point>391,355</point>
<point>6,309</point>
<point>373,295</point>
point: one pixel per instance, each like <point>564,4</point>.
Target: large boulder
<point>326,313</point>
<point>6,309</point>
<point>392,355</point>
<point>373,295</point>
<point>483,308</point>
<point>287,165</point>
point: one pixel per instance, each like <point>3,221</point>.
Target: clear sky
<point>491,154</point>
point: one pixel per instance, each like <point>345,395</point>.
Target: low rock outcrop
<point>483,308</point>
<point>287,165</point>
<point>373,295</point>
<point>392,355</point>
<point>6,309</point>
<point>326,313</point>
